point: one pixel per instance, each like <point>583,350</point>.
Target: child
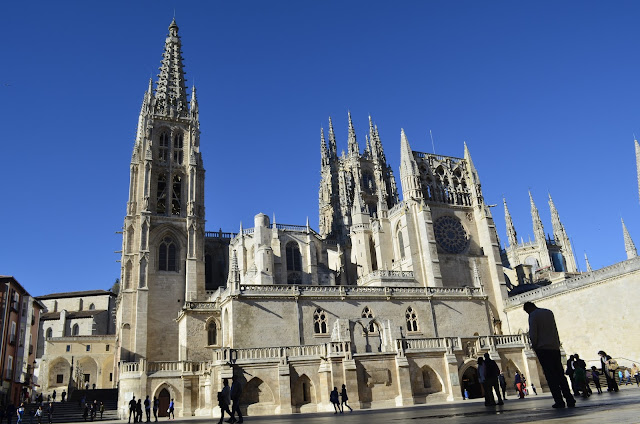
<point>595,375</point>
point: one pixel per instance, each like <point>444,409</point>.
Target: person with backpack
<point>609,367</point>
<point>224,399</point>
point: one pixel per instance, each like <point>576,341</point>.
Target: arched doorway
<point>164,398</point>
<point>471,383</point>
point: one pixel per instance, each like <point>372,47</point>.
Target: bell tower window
<point>161,207</point>
<point>167,255</point>
<point>176,195</point>
<point>177,148</point>
<point>163,148</point>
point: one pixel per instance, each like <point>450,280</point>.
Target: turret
<point>333,149</point>
<point>629,246</point>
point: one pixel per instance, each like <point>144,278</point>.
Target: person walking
<point>482,372</point>
<point>39,415</point>
<point>546,344</point>
<point>172,407</point>
<point>64,395</point>
<point>85,413</point>
<point>533,387</point>
<point>519,385</point>
<point>132,409</point>
<point>569,373</point>
<point>147,408</point>
<point>503,385</point>
<point>491,373</point>
<point>54,396</point>
<point>139,411</point>
<point>50,413</point>
<point>344,398</point>
<point>635,371</point>
<point>595,376</point>
<point>609,367</point>
<point>627,376</point>
<point>236,392</point>
<point>20,413</point>
<point>101,410</point>
<point>334,399</point>
<point>156,406</point>
<point>621,377</point>
<point>224,399</point>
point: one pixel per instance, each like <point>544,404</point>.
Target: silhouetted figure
<point>147,408</point>
<point>546,343</point>
<point>595,376</point>
<point>50,412</point>
<point>236,391</point>
<point>10,412</point>
<point>64,395</point>
<point>224,399</point>
<point>54,396</point>
<point>491,373</point>
<point>139,410</point>
<point>156,406</point>
<point>344,398</point>
<point>333,397</point>
<point>503,385</point>
<point>132,409</point>
<point>101,410</point>
<point>609,367</point>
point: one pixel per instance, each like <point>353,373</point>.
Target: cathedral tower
<point>163,234</point>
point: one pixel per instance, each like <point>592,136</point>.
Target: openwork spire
<point>171,93</point>
<point>538,229</point>
<point>324,154</point>
<point>629,247</point>
<point>333,149</point>
<point>354,149</point>
<point>511,229</point>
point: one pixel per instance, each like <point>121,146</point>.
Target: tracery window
<point>294,260</point>
<point>161,194</point>
<point>177,148</point>
<point>320,321</point>
<point>401,244</point>
<point>212,333</point>
<point>412,320</point>
<point>76,330</point>
<point>167,255</point>
<point>176,195</point>
<point>163,148</point>
<point>367,313</point>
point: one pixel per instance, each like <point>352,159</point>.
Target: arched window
<point>92,307</point>
<point>320,322</point>
<point>76,330</point>
<point>80,304</point>
<point>212,333</point>
<point>400,244</point>
<point>412,320</point>
<point>168,255</point>
<point>367,313</point>
<point>294,260</point>
<point>49,333</point>
<point>163,148</point>
<point>176,194</point>
<point>161,195</point>
<point>177,148</point>
<point>128,275</point>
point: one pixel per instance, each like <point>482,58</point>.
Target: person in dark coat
<point>139,410</point>
<point>132,409</point>
<point>333,397</point>
<point>50,412</point>
<point>605,366</point>
<point>503,385</point>
<point>147,408</point>
<point>10,412</point>
<point>224,398</point>
<point>156,406</point>
<point>595,376</point>
<point>236,391</point>
<point>491,373</point>
<point>344,398</point>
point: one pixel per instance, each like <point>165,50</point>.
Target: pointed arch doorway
<point>164,398</point>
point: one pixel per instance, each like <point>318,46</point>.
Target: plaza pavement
<point>620,408</point>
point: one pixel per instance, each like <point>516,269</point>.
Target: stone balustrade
<point>453,344</point>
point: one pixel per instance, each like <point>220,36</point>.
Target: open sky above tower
<point>544,94</point>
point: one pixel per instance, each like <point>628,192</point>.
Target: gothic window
<point>294,260</point>
<point>412,320</point>
<point>168,255</point>
<point>163,148</point>
<point>320,322</point>
<point>80,304</point>
<point>367,313</point>
<point>175,195</point>
<point>130,234</point>
<point>177,148</point>
<point>400,244</point>
<point>76,330</point>
<point>161,207</point>
<point>92,307</point>
<point>212,333</point>
<point>49,333</point>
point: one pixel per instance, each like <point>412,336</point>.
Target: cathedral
<point>395,295</point>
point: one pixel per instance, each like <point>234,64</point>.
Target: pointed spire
<point>308,227</point>
<point>333,149</point>
<point>589,269</point>
<point>638,163</point>
<point>194,100</point>
<point>234,272</point>
<point>354,149</point>
<point>409,172</point>
<point>467,156</point>
<point>367,148</point>
<point>511,230</point>
<point>324,153</point>
<point>241,229</point>
<point>171,94</point>
<point>629,247</point>
<point>538,229</point>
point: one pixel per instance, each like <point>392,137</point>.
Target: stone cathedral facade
<point>395,295</point>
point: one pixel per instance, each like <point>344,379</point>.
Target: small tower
<point>629,246</point>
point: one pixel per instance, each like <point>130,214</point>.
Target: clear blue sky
<point>544,93</point>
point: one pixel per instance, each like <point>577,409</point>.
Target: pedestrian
<point>333,398</point>
<point>466,394</point>
<point>344,398</point>
<point>609,367</point>
<point>54,396</point>
<point>94,409</point>
<point>50,413</point>
<point>482,380</point>
<point>620,376</point>
<point>546,344</point>
<point>635,371</point>
<point>85,412</point>
<point>86,385</point>
<point>64,395</point>
<point>627,376</point>
<point>20,413</point>
<point>503,385</point>
<point>519,385</point>
<point>491,373</point>
<point>139,410</point>
<point>132,409</point>
<point>156,406</point>
<point>533,387</point>
<point>569,373</point>
<point>236,392</point>
<point>171,406</point>
<point>101,410</point>
<point>39,414</point>
<point>147,408</point>
<point>595,376</point>
<point>580,377</point>
<point>224,399</point>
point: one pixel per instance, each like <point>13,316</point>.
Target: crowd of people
<point>135,409</point>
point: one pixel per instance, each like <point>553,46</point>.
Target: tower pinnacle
<point>538,229</point>
<point>354,149</point>
<point>171,94</point>
<point>629,247</point>
<point>511,230</point>
<point>409,172</point>
<point>333,149</point>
